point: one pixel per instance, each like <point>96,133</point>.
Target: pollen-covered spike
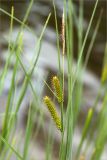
<point>57,87</point>
<point>52,109</point>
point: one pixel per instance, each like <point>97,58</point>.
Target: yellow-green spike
<point>52,109</point>
<point>57,87</point>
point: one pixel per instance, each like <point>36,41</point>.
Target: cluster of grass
<point>9,144</point>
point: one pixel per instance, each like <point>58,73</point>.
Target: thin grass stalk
<point>104,70</point>
<point>63,45</point>
<point>28,75</point>
<point>4,72</point>
<point>69,113</point>
<point>19,21</point>
<point>11,91</point>
<point>84,41</point>
<point>79,85</point>
<point>92,40</point>
<point>12,148</point>
<point>101,137</point>
<point>90,130</point>
<point>57,34</point>
<point>28,133</point>
<point>49,145</point>
<point>6,130</point>
<point>85,131</point>
<point>13,48</point>
<point>10,152</point>
<point>26,81</point>
<point>63,53</point>
<point>91,133</point>
<point>98,120</point>
<point>80,26</point>
<point>62,154</point>
<point>62,87</point>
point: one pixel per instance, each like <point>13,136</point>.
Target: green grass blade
<point>92,40</point>
<point>85,131</point>
<point>13,48</point>
<point>10,147</point>
<point>28,134</point>
<point>57,35</point>
<point>4,72</point>
<point>10,94</point>
<point>84,41</point>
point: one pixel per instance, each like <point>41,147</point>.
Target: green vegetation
<point>94,135</point>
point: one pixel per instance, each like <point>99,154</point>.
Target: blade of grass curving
<point>101,137</point>
<point>10,152</point>
<point>2,76</point>
<point>27,134</point>
<point>10,147</point>
<point>10,94</point>
<point>92,40</point>
<point>27,12</point>
<point>100,142</point>
<point>84,133</point>
<point>37,112</point>
<point>6,118</point>
<point>29,74</point>
<point>91,133</point>
<point>49,88</point>
<point>84,41</point>
<point>19,21</point>
<point>6,152</point>
<point>90,130</point>
<point>87,57</point>
<point>98,120</point>
<point>18,51</point>
<point>13,48</point>
<point>27,79</point>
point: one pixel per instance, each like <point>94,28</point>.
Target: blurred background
<point>40,11</point>
<point>47,63</point>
